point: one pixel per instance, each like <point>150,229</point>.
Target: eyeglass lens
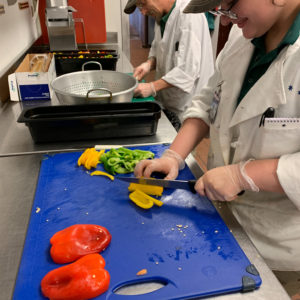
<point>225,12</point>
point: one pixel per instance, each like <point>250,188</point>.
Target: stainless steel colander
<point>101,86</point>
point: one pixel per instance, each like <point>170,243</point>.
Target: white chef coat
<point>187,69</point>
<point>271,220</point>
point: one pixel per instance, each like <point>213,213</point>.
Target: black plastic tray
<point>93,121</point>
<point>67,62</point>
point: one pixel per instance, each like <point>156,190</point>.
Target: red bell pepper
<point>78,240</point>
<point>81,280</point>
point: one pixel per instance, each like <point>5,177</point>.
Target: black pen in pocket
<point>269,113</point>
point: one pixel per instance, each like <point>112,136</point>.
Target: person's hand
<point>142,70</point>
<point>145,90</point>
<point>169,164</point>
<point>165,165</point>
<point>224,183</point>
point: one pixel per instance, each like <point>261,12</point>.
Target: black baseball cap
<point>200,6</point>
<point>130,7</point>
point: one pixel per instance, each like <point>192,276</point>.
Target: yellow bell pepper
<point>90,158</point>
<point>157,202</point>
<point>102,173</point>
<point>82,158</point>
<point>140,199</point>
<point>143,200</point>
<point>147,189</point>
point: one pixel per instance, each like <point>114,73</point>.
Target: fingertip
<point>173,173</point>
<point>199,187</point>
<point>138,169</point>
<point>201,193</point>
<point>148,171</point>
<point>230,198</point>
<point>199,183</point>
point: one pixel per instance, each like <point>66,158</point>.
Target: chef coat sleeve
<point>152,52</point>
<point>193,36</point>
<point>288,175</point>
<point>201,102</point>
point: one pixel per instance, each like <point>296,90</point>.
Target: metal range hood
<point>60,25</point>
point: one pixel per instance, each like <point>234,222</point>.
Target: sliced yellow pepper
<point>143,200</point>
<point>101,152</point>
<point>147,189</point>
<point>157,202</point>
<point>82,157</point>
<point>91,161</point>
<point>90,158</point>
<point>102,173</point>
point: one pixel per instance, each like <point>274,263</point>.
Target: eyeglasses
<point>225,12</point>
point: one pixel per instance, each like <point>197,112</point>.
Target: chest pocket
<point>277,137</point>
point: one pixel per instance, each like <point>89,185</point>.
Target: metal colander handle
<point>99,89</point>
<point>91,62</point>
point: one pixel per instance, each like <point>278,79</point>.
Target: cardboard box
<point>31,80</point>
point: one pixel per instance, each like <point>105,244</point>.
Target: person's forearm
<point>161,84</point>
<point>189,136</point>
<point>263,173</point>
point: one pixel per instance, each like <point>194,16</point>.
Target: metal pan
<point>101,86</point>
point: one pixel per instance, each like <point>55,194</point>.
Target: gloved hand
<point>224,183</point>
<point>145,90</point>
<point>169,164</point>
<point>142,70</point>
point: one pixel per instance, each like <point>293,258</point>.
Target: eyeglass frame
<point>225,12</point>
<point>140,5</point>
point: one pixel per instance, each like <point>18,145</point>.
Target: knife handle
<point>192,185</point>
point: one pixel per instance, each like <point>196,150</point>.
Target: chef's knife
<point>172,184</point>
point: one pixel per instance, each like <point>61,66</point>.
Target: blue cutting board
<point>184,244</point>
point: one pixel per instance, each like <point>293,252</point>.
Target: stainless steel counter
<point>20,161</point>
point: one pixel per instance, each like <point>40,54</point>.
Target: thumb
<point>136,73</point>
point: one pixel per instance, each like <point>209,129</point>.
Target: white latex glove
<point>224,183</point>
<point>142,70</point>
<point>169,164</point>
<point>145,90</point>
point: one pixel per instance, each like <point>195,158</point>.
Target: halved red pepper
<point>84,279</point>
<point>78,240</point>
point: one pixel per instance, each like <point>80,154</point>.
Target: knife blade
<point>172,184</point>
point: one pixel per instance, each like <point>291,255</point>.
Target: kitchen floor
<point>138,55</point>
